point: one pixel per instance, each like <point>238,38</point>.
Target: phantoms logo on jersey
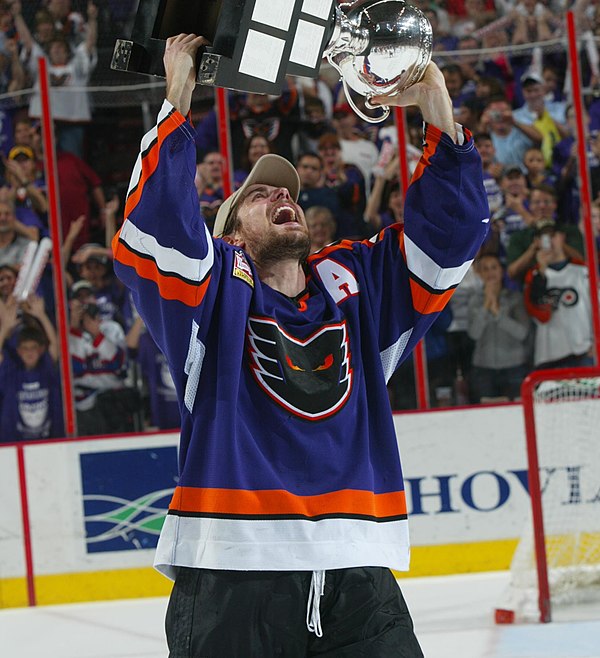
<point>311,377</point>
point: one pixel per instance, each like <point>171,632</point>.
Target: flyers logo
<point>561,297</point>
<point>310,377</point>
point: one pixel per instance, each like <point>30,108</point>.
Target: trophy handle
<point>382,117</point>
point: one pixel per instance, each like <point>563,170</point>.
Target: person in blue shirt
<point>30,390</point>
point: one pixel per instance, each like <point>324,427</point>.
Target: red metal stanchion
<point>27,544</point>
<point>56,235</point>
<point>419,355</point>
<point>584,177</point>
<point>224,139</point>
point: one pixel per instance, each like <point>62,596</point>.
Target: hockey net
<point>556,565</point>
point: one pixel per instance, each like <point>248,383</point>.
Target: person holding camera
<point>557,297</point>
<point>511,137</point>
<point>524,244</point>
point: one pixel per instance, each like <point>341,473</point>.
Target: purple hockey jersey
<point>288,453</point>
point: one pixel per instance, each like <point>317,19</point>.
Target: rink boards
<point>83,516</point>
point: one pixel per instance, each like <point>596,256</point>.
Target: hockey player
<point>290,508</point>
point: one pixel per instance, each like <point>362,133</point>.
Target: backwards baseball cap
<point>530,77</point>
<point>270,169</point>
<point>98,257</point>
<point>80,285</point>
<point>16,151</point>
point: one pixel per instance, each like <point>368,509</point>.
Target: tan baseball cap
<point>270,169</point>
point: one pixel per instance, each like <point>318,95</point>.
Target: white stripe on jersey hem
<point>281,545</point>
<point>392,354</point>
<point>428,271</point>
<point>168,259</point>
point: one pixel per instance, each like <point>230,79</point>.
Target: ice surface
<point>453,618</point>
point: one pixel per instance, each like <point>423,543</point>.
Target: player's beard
<point>282,246</point>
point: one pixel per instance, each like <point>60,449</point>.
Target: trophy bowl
<point>380,47</point>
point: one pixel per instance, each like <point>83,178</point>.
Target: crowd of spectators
<point>524,304</point>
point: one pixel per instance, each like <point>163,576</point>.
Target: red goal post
<point>540,389</point>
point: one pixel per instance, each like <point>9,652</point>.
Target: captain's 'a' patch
<point>242,269</point>
<point>310,377</point>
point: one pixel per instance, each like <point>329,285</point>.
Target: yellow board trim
<point>459,558</point>
<point>146,582</point>
<point>88,586</point>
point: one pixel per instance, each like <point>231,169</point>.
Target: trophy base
<point>252,46</point>
<point>212,69</point>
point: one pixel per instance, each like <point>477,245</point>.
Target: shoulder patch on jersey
<point>242,269</point>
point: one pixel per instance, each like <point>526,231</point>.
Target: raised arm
<point>25,35</point>
<point>91,39</point>
<point>164,252</point>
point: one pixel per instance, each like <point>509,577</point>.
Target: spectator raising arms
<point>30,400</point>
<point>69,68</point>
<point>385,205</point>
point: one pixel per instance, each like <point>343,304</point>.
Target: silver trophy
<point>379,47</point>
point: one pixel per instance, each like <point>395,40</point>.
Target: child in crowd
<point>535,168</point>
<point>30,390</point>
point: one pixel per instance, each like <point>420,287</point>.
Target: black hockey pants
<point>264,614</point>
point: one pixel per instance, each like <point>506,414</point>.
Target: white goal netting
<point>567,433</point>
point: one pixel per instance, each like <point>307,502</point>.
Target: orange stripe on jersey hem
<point>281,503</point>
<point>170,287</point>
<point>426,302</point>
<point>150,160</point>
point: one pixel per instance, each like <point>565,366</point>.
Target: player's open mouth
<point>284,214</point>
